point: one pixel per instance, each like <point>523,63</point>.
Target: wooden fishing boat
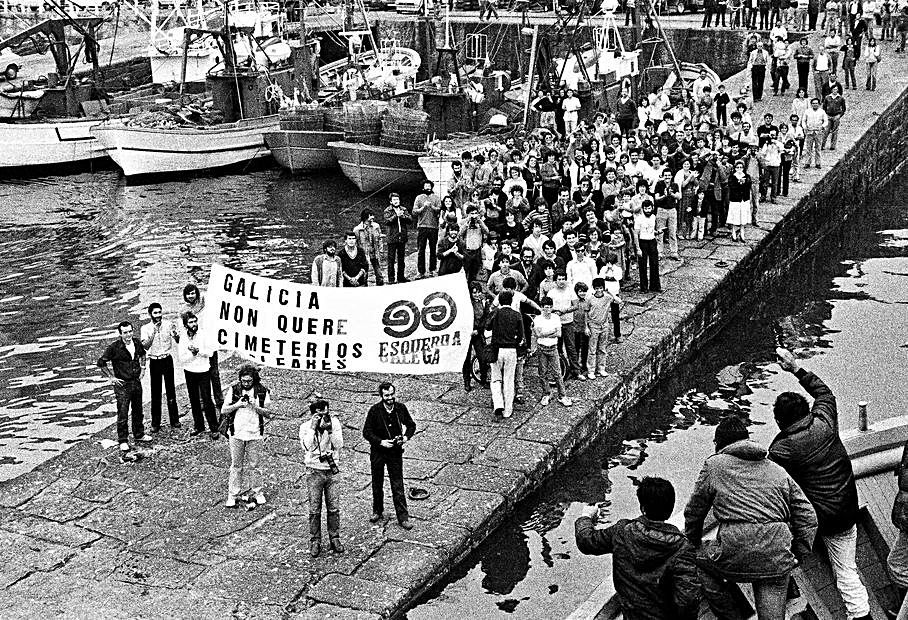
<point>142,151</point>
<point>875,455</point>
<point>65,141</point>
<point>373,168</point>
<point>303,150</point>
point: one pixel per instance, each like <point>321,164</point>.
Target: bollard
<point>862,416</point>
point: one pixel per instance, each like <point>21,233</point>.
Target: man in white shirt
<point>582,268</point>
<point>701,82</point>
<point>322,438</point>
<point>814,124</point>
<point>194,356</point>
<point>564,301</point>
<point>571,107</point>
<point>647,251</point>
<point>159,339</point>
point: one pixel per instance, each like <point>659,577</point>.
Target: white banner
<point>418,328</point>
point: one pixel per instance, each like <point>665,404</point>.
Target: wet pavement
<point>830,310</point>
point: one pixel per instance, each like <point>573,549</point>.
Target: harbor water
<point>79,253</point>
<point>843,309</point>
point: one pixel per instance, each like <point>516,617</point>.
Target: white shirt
<point>571,105</point>
<point>246,421</point>
<point>698,85</point>
<point>612,274</point>
<point>194,362</point>
<point>562,299</point>
<point>645,227</point>
<point>542,325</point>
<point>131,347</point>
<point>163,340</point>
<point>581,270</point>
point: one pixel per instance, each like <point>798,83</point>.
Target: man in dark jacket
<point>653,564</point>
<point>809,448</point>
<point>397,219</point>
<point>388,427</point>
<point>506,326</point>
<point>764,519</point>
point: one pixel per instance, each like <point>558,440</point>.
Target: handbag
<point>490,353</point>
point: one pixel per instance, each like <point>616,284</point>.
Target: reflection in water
<point>842,310</point>
<point>79,253</point>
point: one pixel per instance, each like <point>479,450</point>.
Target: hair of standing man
<point>384,386</point>
<point>190,288</point>
<point>365,215</point>
<point>656,497</point>
<point>248,370</point>
<point>154,306</point>
<point>186,316</point>
<point>121,325</point>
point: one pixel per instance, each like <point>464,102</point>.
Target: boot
<point>334,519</point>
<point>315,534</point>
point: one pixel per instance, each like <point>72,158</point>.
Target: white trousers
<point>502,384</point>
<point>841,549</point>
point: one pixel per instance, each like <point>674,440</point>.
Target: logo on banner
<point>403,317</point>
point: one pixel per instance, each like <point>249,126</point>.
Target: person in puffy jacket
<point>653,564</point>
<point>809,448</point>
<point>764,521</point>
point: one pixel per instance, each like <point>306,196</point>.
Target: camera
<point>329,459</point>
<point>398,441</point>
<point>245,398</point>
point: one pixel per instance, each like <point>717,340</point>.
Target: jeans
<point>812,147</point>
<point>162,369</point>
<point>667,219</point>
<point>396,256</point>
<point>871,76</point>
<point>502,384</point>
<point>898,560</point>
<point>217,392</point>
<point>244,463</point>
<point>198,384</point>
<point>549,369</point>
<point>757,79</point>
<point>321,482</point>
<point>820,78</point>
<point>472,263</point>
<point>129,395</point>
<point>426,236</point>
<point>769,595</point>
<point>568,345</point>
<point>803,74</point>
<point>786,175</point>
<point>598,341</point>
<point>832,132</point>
<point>850,80</point>
<point>841,550</point>
<point>770,183</point>
<point>393,459</point>
<point>583,347</point>
<point>616,323</point>
<point>375,263</point>
<point>649,257</point>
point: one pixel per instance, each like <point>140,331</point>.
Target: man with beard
<point>194,357</point>
<point>398,221</point>
<point>388,427</point>
<point>426,209</point>
<point>326,268</point>
<point>353,262</point>
<point>159,339</point>
<point>127,356</point>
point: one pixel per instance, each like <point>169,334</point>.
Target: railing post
<point>862,416</point>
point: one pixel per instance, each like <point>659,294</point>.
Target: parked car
<point>10,63</point>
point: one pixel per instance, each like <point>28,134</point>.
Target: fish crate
<point>303,118</point>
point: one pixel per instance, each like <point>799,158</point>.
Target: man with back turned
<point>388,427</point>
<point>809,448</point>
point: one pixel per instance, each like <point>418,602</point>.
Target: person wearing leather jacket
<point>809,448</point>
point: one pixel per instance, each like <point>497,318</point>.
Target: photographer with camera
<point>243,423</point>
<point>388,427</point>
<point>322,439</point>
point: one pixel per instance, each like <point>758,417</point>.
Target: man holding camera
<point>388,427</point>
<point>322,439</point>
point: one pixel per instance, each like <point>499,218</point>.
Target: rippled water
<point>79,253</point>
<point>844,308</point>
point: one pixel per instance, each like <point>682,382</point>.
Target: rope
<point>372,195</point>
<point>113,44</point>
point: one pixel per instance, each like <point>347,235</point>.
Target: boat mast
<point>531,74</point>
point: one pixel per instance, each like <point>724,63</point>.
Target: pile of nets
<point>173,117</point>
<point>305,117</point>
<point>404,128</point>
<point>363,121</point>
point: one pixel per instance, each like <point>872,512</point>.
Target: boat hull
<point>27,144</point>
<point>374,168</point>
<point>303,150</point>
<point>142,151</point>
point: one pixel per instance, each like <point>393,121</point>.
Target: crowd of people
<point>770,505</point>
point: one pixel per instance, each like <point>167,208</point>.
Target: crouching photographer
<point>322,439</point>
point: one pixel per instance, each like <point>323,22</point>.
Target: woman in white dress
<point>739,189</point>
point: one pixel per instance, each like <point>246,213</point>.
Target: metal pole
<point>862,416</point>
<point>531,74</point>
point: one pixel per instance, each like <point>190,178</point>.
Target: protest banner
<point>418,328</point>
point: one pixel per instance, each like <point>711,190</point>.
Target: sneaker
<point>143,439</point>
<point>591,375</point>
<point>231,502</point>
<point>214,435</point>
<point>375,518</point>
<point>260,499</point>
<point>545,400</point>
<point>498,411</point>
<point>564,400</point>
<point>124,447</point>
<point>507,414</point>
<point>315,548</point>
<point>405,524</point>
<point>337,546</point>
<point>581,376</point>
<point>196,432</point>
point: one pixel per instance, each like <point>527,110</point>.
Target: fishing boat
<point>303,150</point>
<point>145,151</point>
<point>46,122</point>
<point>373,168</point>
<point>875,454</point>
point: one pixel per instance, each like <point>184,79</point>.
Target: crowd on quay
<point>240,413</point>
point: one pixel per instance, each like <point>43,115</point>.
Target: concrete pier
<point>86,536</point>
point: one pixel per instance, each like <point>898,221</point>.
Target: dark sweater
<point>383,425</point>
<point>507,328</point>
